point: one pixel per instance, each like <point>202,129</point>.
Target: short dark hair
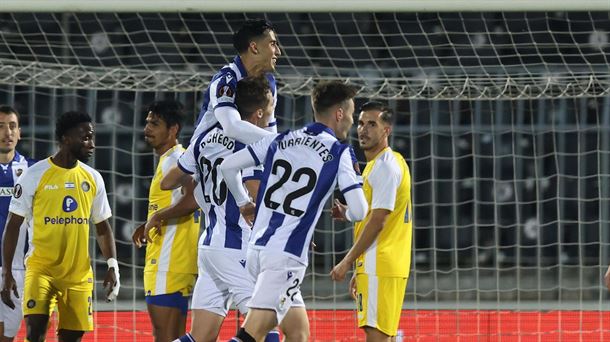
<point>9,110</point>
<point>251,29</point>
<point>69,120</point>
<point>170,111</point>
<point>386,114</point>
<point>330,93</point>
<point>251,95</point>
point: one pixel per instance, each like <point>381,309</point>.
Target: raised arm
<point>236,128</point>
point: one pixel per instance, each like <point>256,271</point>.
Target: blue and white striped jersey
<point>301,170</point>
<point>9,173</point>
<point>221,92</point>
<point>225,227</point>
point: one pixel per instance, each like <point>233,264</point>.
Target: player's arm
<point>105,239</point>
<point>100,213</point>
<point>175,178</point>
<point>185,205</point>
<point>236,128</point>
<point>9,245</point>
<point>230,170</point>
<point>252,187</point>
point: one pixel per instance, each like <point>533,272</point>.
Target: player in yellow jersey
<point>62,196</point>
<point>382,248</point>
<point>171,252</point>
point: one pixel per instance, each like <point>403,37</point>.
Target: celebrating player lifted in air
<point>222,249</point>
<point>60,196</point>
<point>301,170</point>
<point>258,50</point>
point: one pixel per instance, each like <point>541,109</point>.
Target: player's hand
<point>137,237</point>
<point>338,211</point>
<point>339,271</point>
<point>9,285</point>
<point>112,281</point>
<point>248,211</point>
<point>606,279</point>
<point>353,290</point>
<point>153,223</point>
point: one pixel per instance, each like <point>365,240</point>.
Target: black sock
<point>244,336</point>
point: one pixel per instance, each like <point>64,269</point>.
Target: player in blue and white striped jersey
<point>12,165</point>
<point>222,248</point>
<point>301,170</point>
<point>258,50</point>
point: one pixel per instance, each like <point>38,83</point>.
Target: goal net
<point>503,117</point>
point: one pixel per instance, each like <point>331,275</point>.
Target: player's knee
<point>299,335</point>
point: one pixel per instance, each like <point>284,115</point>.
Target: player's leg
<point>295,325</point>
<point>75,312</point>
<point>167,302</point>
<point>379,315</point>
<point>277,288</point>
<point>11,318</point>
<point>212,292</point>
<point>38,294</point>
<point>165,316</point>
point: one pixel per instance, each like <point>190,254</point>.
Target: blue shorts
<point>172,300</point>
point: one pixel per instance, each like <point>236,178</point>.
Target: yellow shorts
<point>74,301</point>
<point>159,283</point>
<point>379,302</point>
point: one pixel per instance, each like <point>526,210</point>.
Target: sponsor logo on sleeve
<point>17,190</point>
<point>225,94</point>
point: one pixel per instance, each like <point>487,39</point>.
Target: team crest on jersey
<point>85,186</point>
<point>18,172</point>
<point>17,190</point>
<point>31,304</point>
<point>69,204</point>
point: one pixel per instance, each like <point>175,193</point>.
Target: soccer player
<point>171,252</point>
<point>13,164</point>
<point>258,50</point>
<point>382,248</point>
<point>301,170</point>
<point>60,196</point>
<point>222,249</point>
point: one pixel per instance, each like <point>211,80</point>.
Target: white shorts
<point>278,282</point>
<point>222,278</point>
<point>12,317</point>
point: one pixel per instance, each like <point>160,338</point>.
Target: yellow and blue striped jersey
<point>387,185</point>
<point>175,250</point>
<point>61,204</point>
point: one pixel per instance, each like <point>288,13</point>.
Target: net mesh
<point>503,119</point>
<point>389,55</point>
